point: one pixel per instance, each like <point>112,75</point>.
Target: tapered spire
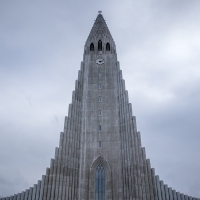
<point>100,36</point>
<point>99,30</point>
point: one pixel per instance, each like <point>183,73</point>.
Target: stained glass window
<point>100,183</point>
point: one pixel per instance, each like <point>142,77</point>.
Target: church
<point>100,156</point>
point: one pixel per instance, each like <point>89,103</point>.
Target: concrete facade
<point>100,130</point>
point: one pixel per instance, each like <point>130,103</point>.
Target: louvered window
<point>99,45</point>
<point>107,47</point>
<point>91,47</point>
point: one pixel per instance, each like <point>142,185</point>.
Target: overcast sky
<point>41,48</point>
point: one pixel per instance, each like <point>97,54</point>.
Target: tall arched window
<point>100,183</point>
<point>99,45</point>
<point>91,47</point>
<point>107,47</point>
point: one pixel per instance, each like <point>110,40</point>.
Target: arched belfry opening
<point>107,47</point>
<point>99,45</point>
<point>91,47</point>
<point>100,183</point>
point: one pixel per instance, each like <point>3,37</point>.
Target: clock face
<point>100,61</point>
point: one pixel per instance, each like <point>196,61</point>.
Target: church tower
<point>100,156</point>
<point>112,163</point>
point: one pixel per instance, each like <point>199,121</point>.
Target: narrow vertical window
<point>100,99</point>
<point>100,144</point>
<point>99,45</point>
<point>100,86</point>
<point>107,47</point>
<point>91,47</point>
<point>100,127</point>
<point>100,183</point>
<point>100,112</point>
<point>99,74</point>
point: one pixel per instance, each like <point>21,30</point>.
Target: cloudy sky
<point>41,47</point>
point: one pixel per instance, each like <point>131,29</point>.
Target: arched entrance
<point>100,180</point>
<point>100,183</point>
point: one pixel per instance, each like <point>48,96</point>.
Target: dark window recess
<point>99,45</point>
<point>100,112</point>
<point>100,144</point>
<point>100,98</point>
<point>100,127</point>
<point>91,47</point>
<point>100,86</point>
<point>107,47</point>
